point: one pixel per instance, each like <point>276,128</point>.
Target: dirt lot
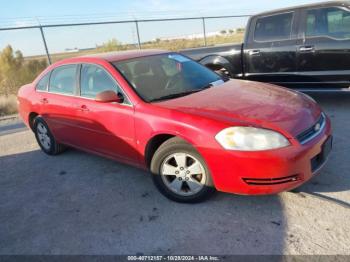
<point>77,203</point>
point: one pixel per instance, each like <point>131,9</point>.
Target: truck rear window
<point>274,27</point>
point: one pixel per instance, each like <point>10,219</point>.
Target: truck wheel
<point>45,139</point>
<point>180,173</point>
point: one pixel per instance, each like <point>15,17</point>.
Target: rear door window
<point>274,27</point>
<point>63,80</point>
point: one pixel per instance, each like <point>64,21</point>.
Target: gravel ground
<point>78,203</point>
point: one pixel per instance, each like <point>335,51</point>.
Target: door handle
<point>44,101</point>
<point>254,52</point>
<point>84,108</point>
<point>307,48</point>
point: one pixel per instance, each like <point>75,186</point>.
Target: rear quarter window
<point>43,83</point>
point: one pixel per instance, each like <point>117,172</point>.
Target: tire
<point>45,139</point>
<point>187,178</point>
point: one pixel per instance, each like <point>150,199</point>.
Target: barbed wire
<point>100,17</point>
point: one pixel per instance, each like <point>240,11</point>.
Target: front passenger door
<point>106,128</point>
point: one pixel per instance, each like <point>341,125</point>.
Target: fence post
<point>204,32</point>
<point>45,45</point>
<point>138,34</point>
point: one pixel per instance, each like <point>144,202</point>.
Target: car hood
<point>251,103</point>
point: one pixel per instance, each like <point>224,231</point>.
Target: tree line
<point>16,71</point>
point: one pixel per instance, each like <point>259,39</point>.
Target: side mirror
<point>109,96</point>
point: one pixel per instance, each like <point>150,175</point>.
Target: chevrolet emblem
<point>317,127</point>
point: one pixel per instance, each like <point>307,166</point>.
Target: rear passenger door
<point>324,56</point>
<point>57,105</point>
<point>270,48</point>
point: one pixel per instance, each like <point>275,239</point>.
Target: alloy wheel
<point>183,174</point>
<point>43,136</point>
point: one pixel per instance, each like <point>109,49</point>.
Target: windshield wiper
<point>207,86</point>
<point>176,95</point>
<point>184,93</point>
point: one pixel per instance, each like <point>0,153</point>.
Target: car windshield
<point>166,76</point>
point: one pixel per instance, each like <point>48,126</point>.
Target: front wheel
<point>180,173</point>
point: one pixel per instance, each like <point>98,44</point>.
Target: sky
<point>25,13</point>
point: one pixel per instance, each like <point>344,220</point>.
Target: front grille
<point>313,131</point>
<point>270,181</point>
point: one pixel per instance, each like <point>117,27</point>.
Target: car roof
<point>126,55</point>
<point>319,4</point>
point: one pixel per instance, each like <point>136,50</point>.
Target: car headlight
<point>250,139</point>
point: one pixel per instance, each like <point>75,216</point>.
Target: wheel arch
<point>31,118</point>
<point>156,141</point>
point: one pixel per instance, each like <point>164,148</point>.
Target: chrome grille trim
<point>311,132</point>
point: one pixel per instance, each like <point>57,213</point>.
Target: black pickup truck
<point>305,47</point>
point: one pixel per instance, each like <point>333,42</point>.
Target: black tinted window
<point>63,79</point>
<point>275,27</point>
<point>42,84</point>
<point>333,22</point>
<point>94,80</point>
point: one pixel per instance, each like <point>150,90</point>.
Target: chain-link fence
<point>58,41</point>
<point>26,49</point>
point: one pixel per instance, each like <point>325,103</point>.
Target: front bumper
<point>267,172</point>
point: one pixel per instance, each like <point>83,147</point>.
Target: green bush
<point>8,105</point>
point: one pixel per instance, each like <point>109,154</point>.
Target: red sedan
<point>193,129</point>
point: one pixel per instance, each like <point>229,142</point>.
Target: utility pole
<point>138,34</point>
<point>45,44</point>
<point>204,32</point>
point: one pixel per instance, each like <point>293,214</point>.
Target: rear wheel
<point>180,173</point>
<point>45,139</point>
